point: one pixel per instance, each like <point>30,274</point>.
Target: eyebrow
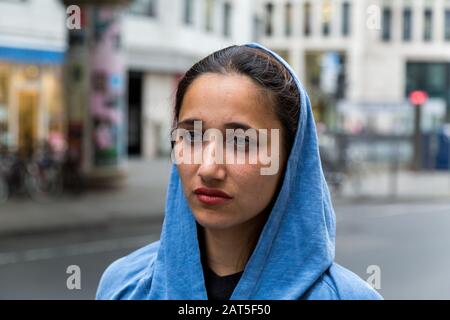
<point>188,122</point>
<point>237,125</point>
<point>228,125</point>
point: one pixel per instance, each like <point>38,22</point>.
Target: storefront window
<point>209,14</point>
<point>436,77</point>
<point>4,100</point>
<point>144,7</point>
<point>56,119</point>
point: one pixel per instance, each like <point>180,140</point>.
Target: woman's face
<point>222,102</point>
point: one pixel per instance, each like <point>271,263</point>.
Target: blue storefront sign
<point>32,56</point>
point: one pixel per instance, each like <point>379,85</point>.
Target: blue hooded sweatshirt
<point>294,256</point>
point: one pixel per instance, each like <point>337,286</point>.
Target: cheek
<point>187,173</point>
<point>255,190</point>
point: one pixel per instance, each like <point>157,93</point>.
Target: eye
<point>242,141</point>
<point>194,136</point>
<point>239,142</point>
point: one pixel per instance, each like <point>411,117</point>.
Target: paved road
<point>409,242</point>
<point>34,267</point>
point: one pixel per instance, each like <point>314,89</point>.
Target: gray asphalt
<point>409,242</point>
<point>35,266</point>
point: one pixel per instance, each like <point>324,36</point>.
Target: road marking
<point>75,249</point>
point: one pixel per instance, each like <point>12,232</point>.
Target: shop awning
<point>34,56</point>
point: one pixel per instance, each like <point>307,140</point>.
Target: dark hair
<point>267,72</point>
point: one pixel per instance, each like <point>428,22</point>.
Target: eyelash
<point>193,135</point>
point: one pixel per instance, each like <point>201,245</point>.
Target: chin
<point>210,219</point>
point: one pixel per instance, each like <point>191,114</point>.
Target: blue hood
<point>293,258</point>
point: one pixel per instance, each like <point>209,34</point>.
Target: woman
<point>230,231</point>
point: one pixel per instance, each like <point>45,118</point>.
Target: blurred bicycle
<point>13,173</point>
<point>43,179</point>
<point>342,165</point>
<point>334,175</point>
<point>4,190</point>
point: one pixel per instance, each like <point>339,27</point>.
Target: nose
<point>212,168</point>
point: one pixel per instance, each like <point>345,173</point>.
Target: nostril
<point>211,172</point>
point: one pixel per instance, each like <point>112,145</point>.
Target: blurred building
<point>161,39</point>
<point>363,51</point>
<point>32,44</point>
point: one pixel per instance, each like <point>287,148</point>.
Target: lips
<point>212,192</point>
<point>212,196</point>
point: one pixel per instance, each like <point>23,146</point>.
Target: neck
<point>227,250</point>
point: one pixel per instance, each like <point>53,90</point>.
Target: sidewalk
<point>143,199</point>
<point>405,186</point>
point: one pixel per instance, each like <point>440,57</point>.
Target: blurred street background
<point>86,93</point>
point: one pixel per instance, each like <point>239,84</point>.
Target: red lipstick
<point>212,196</point>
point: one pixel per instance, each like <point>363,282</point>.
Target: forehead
<point>218,99</point>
